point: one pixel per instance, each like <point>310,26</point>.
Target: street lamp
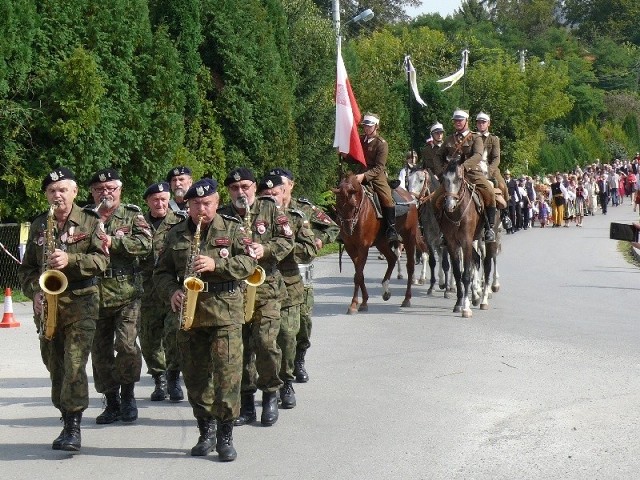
<point>364,16</point>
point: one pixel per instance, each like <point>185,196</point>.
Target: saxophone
<point>258,276</point>
<point>192,284</point>
<point>52,282</point>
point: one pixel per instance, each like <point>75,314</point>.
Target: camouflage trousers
<point>303,338</point>
<point>211,359</point>
<point>262,356</point>
<point>116,331</point>
<point>158,327</point>
<point>66,357</point>
<point>289,327</point>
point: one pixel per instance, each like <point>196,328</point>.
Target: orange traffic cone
<point>7,319</point>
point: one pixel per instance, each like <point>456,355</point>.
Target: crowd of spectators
<point>564,199</point>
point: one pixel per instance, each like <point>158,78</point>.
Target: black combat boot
<point>207,428</point>
<point>247,410</point>
<point>224,442</point>
<point>389,216</point>
<point>298,369</point>
<point>72,440</point>
<point>112,410</point>
<point>128,407</point>
<point>57,443</point>
<point>174,388</point>
<point>287,395</point>
<point>489,234</point>
<point>160,392</point>
<point>269,408</point>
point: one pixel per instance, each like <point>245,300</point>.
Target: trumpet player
<point>272,241</point>
<point>65,240</point>
<point>116,357</point>
<point>211,348</point>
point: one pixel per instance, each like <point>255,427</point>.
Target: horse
<point>461,225</point>
<point>360,229</point>
<point>421,184</point>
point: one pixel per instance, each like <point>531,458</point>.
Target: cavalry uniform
<point>432,160</point>
<point>491,155</point>
<point>327,231</point>
<point>159,324</point>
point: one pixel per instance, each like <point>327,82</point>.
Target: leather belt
<point>89,282</point>
<point>270,269</point>
<point>219,287</point>
<point>120,272</point>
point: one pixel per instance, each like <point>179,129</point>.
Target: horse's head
<point>453,181</point>
<point>416,182</point>
<point>348,195</point>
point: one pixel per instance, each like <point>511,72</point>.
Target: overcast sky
<point>443,7</point>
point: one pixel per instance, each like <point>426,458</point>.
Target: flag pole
<point>465,60</point>
<point>409,103</point>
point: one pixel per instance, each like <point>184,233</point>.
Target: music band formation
<point>221,293</point>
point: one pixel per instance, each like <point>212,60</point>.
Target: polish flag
<point>346,138</point>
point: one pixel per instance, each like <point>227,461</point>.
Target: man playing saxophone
<point>77,253</point>
<point>211,348</point>
<point>272,241</point>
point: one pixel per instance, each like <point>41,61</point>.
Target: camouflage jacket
<point>148,263</point>
<point>79,239</point>
<point>322,225</point>
<point>131,240</point>
<point>222,302</point>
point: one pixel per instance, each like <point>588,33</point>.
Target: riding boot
<point>224,442</point>
<point>174,388</point>
<point>287,395</point>
<point>160,392</point>
<point>299,370</point>
<point>389,216</point>
<point>112,410</point>
<point>247,410</point>
<point>72,440</point>
<point>207,428</point>
<point>128,407</point>
<point>489,234</point>
<point>269,408</point>
<point>57,443</point>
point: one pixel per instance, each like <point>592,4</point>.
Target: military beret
<point>156,188</point>
<point>270,181</point>
<point>60,173</point>
<point>176,171</point>
<point>104,175</point>
<point>238,174</point>
<point>283,172</point>
<point>202,188</point>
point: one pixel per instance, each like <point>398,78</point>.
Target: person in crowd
<point>613,180</point>
<point>603,189</point>
<point>543,210</point>
<point>215,248</point>
<point>522,220</point>
<point>570,202</point>
<point>180,180</point>
<point>63,243</point>
<point>410,162</point>
<point>272,240</point>
<point>558,193</point>
<point>116,357</point>
<point>304,251</point>
<point>159,324</point>
<point>581,200</point>
<point>376,151</point>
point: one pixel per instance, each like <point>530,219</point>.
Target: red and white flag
<point>346,138</point>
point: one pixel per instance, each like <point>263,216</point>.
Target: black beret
<point>60,173</point>
<point>270,181</point>
<point>283,172</point>
<point>202,188</point>
<point>174,172</point>
<point>156,188</point>
<point>104,175</point>
<point>238,174</point>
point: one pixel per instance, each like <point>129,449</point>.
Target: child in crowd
<point>543,210</point>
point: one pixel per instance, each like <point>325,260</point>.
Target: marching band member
<point>180,180</point>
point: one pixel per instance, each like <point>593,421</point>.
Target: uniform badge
<point>261,228</point>
<point>54,176</point>
<point>269,184</point>
<point>119,234</point>
<point>286,229</point>
<point>251,252</point>
<point>224,253</point>
<point>237,177</point>
<point>200,191</point>
<point>222,242</point>
<point>176,171</point>
<point>160,188</point>
<point>102,177</point>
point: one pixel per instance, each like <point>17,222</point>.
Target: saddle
<point>402,206</point>
<point>475,196</point>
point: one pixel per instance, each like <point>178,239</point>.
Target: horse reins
<point>353,221</point>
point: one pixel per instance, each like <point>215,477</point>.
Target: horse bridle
<point>459,197</point>
<point>353,221</point>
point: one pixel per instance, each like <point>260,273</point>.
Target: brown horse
<point>461,224</point>
<point>360,229</point>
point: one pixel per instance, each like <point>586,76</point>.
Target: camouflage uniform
<point>159,323</point>
<point>262,356</point>
<point>211,351</point>
<point>327,231</point>
<point>304,251</point>
<point>120,292</point>
<point>66,355</point>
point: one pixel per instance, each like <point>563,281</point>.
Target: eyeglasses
<point>106,190</point>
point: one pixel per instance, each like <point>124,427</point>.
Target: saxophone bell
<point>192,285</point>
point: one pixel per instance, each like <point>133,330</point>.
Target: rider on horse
<point>376,150</point>
<point>466,147</point>
<point>430,159</point>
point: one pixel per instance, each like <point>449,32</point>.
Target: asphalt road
<point>543,385</point>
